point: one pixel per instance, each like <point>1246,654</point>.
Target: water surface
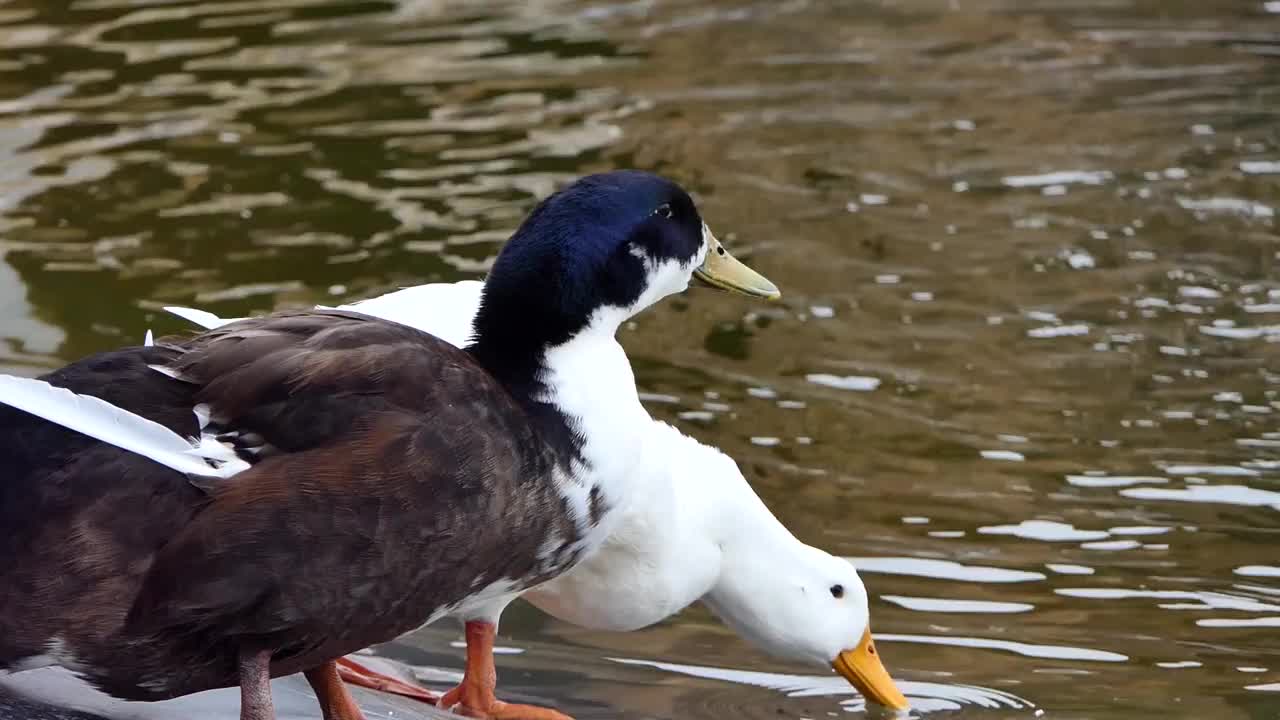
<point>1026,368</point>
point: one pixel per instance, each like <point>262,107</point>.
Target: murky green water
<point>1028,360</point>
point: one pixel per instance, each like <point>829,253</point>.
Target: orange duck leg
<point>335,699</point>
<point>472,697</point>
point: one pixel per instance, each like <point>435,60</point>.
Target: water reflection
<point>1024,374</point>
<point>925,697</point>
<point>286,155</point>
<point>942,570</point>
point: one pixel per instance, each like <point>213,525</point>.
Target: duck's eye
<point>664,210</point>
<point>837,591</point>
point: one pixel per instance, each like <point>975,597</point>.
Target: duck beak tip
<point>861,666</point>
<point>723,271</point>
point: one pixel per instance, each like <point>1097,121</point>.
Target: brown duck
<point>341,479</point>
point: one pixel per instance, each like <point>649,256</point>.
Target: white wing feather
<point>206,320</point>
<point>103,421</point>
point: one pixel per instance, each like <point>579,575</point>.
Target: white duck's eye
<point>664,210</point>
<point>837,591</point>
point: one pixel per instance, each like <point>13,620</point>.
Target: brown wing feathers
<point>301,379</point>
<point>398,447</point>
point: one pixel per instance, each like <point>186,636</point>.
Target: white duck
<point>698,532</point>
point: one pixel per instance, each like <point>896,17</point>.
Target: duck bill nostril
<point>725,272</point>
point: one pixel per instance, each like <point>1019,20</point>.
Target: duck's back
<point>391,478</point>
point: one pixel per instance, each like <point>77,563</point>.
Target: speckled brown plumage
<point>394,455</point>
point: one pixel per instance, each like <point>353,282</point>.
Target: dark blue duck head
<point>595,253</point>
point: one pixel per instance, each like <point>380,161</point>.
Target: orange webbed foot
<point>354,673</point>
<point>472,702</point>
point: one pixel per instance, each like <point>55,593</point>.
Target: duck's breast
<point>650,567</point>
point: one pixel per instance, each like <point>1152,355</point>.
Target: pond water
<point>1026,370</point>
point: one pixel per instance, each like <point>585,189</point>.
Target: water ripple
<point>925,697</point>
<point>1028,254</point>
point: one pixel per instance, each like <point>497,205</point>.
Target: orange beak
<point>861,666</point>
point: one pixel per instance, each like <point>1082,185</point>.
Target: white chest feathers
<point>589,379</point>
<point>665,551</point>
<point>631,581</point>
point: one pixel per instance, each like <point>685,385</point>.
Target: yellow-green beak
<point>723,271</point>
<point>861,666</point>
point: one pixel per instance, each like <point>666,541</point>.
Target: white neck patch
<point>589,379</point>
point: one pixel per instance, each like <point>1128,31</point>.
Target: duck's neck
<point>589,380</point>
<point>710,516</point>
<point>583,387</point>
<point>757,552</point>
<point>521,316</point>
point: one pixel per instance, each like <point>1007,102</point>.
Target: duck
<point>699,532</point>
<point>262,499</point>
